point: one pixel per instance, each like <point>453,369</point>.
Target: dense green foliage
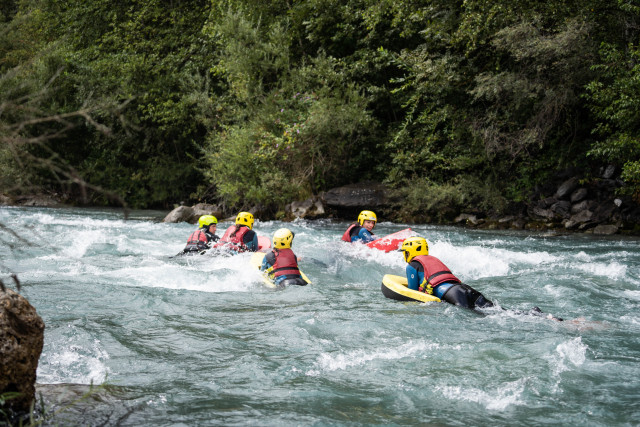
<point>244,102</point>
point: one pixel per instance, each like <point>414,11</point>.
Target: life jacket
<point>435,272</point>
<point>197,241</point>
<point>353,229</point>
<point>286,263</point>
<point>236,242</point>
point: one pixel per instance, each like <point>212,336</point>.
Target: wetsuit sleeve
<point>363,236</point>
<point>268,260</point>
<point>414,278</point>
<point>211,238</point>
<point>251,242</point>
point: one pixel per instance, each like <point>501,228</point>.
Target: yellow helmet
<point>245,218</point>
<point>366,216</point>
<point>207,220</point>
<point>283,238</point>
<point>414,246</point>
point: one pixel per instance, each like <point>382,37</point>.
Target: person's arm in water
<point>265,264</point>
<point>363,236</point>
<point>414,278</point>
<point>268,261</point>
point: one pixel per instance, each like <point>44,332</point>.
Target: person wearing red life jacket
<point>281,262</point>
<point>240,237</point>
<point>202,239</point>
<point>426,273</point>
<point>362,231</point>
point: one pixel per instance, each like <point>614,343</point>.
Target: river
<point>200,341</point>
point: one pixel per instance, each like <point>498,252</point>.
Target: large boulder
<point>566,188</point>
<point>205,209</point>
<point>362,195</point>
<point>310,208</point>
<point>349,200</point>
<point>179,214</point>
<point>21,340</point>
<point>579,195</point>
<point>5,200</point>
<point>191,214</point>
<point>605,229</point>
<point>562,209</point>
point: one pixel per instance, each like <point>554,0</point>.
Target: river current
<point>200,341</point>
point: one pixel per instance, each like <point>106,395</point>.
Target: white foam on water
<point>328,362</point>
<point>630,319</point>
<point>634,295</point>
<point>76,244</point>
<point>508,394</point>
<point>363,252</point>
<point>555,291</point>
<point>613,270</point>
<point>198,273</point>
<point>568,355</point>
<point>73,363</point>
<point>582,256</point>
<point>475,262</point>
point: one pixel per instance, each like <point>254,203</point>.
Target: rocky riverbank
<point>569,204</point>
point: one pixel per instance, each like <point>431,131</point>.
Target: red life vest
<point>347,234</point>
<point>197,240</point>
<point>236,242</point>
<point>435,271</point>
<point>286,263</point>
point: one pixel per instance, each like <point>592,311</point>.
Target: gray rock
<point>21,340</point>
<point>546,202</point>
<point>562,208</point>
<point>518,223</point>
<point>566,188</point>
<point>579,195</point>
<point>309,208</point>
<point>605,229</point>
<point>587,227</point>
<point>543,213</point>
<point>583,205</point>
<point>464,217</point>
<point>204,209</point>
<point>609,172</point>
<point>605,212</point>
<point>180,214</point>
<point>582,216</point>
<point>362,195</point>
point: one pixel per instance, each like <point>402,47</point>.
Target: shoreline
<point>463,220</point>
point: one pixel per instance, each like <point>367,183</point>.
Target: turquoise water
<point>199,340</point>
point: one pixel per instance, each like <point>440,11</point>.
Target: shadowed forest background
<point>457,104</point>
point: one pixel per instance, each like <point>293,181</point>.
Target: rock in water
<point>21,340</point>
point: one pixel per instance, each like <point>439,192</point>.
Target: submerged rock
<point>80,404</point>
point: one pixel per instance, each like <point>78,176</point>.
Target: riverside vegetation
<point>468,106</point>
